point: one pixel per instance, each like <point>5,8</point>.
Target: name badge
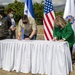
<point>0,23</point>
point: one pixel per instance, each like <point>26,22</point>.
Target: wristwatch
<point>29,38</point>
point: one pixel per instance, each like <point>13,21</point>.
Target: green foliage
<point>15,1</point>
<point>38,10</point>
<point>59,13</point>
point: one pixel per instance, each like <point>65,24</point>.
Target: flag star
<point>26,11</point>
<point>49,3</point>
<point>48,6</point>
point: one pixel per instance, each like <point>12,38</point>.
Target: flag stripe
<point>47,23</point>
<point>46,35</point>
<point>48,20</point>
<point>47,28</point>
<point>52,15</point>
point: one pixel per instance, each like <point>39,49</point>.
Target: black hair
<point>24,17</point>
<point>9,10</point>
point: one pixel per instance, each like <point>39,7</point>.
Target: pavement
<point>73,72</point>
<point>3,72</point>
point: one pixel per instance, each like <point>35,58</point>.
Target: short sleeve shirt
<point>28,28</point>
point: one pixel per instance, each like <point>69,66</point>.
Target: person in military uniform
<point>27,27</point>
<point>3,27</point>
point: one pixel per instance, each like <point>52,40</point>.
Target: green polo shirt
<point>66,32</point>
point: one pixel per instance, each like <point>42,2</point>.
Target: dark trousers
<point>71,50</point>
<point>33,38</point>
<point>1,38</point>
<point>12,34</point>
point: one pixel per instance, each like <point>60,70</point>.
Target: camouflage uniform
<point>3,29</point>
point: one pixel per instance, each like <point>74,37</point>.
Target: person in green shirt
<point>63,31</point>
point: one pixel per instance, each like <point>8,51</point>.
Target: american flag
<point>48,20</point>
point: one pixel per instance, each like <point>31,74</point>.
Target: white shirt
<point>12,22</point>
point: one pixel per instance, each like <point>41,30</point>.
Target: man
<point>11,23</point>
<point>29,26</point>
<point>3,27</point>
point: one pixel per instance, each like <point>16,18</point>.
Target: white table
<point>39,56</point>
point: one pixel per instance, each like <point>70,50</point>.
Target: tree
<point>38,10</point>
<point>15,1</point>
<point>59,13</point>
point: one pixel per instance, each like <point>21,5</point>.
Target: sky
<point>55,2</point>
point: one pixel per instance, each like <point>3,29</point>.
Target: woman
<point>63,31</point>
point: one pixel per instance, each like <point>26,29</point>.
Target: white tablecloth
<point>39,56</point>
